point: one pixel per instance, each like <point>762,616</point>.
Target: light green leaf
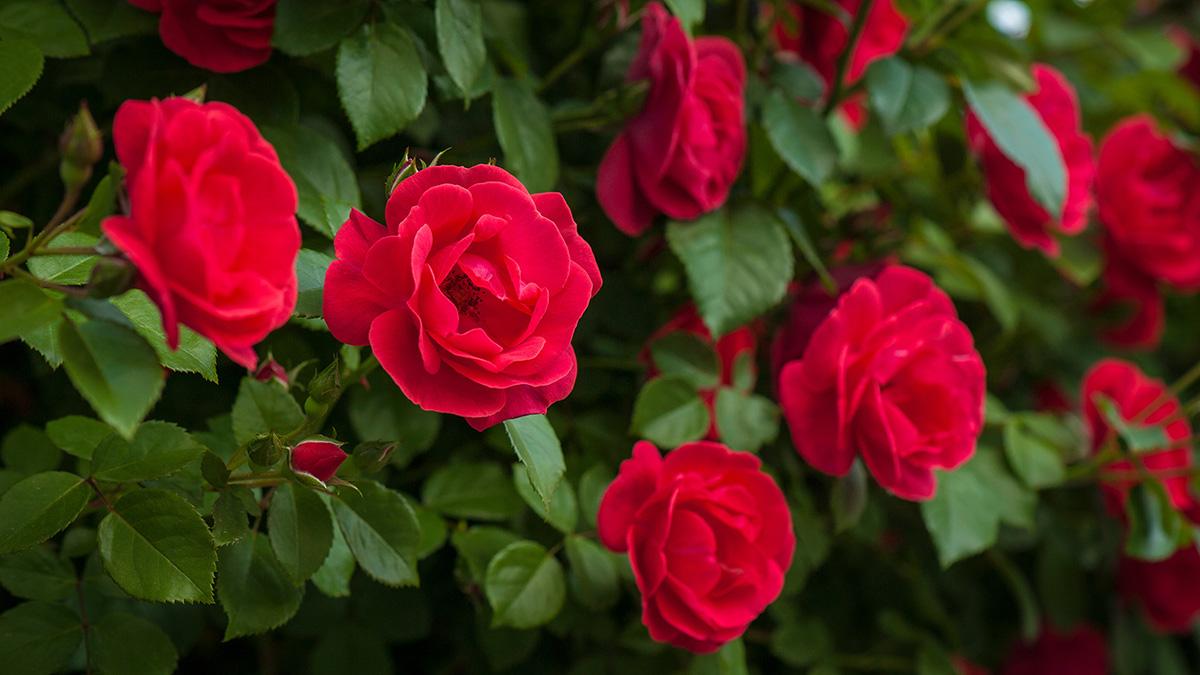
<point>738,264</point>
<point>38,638</point>
<point>124,644</point>
<point>39,507</point>
<point>21,65</point>
<point>324,178</point>
<point>1156,528</point>
<point>158,449</point>
<point>69,270</point>
<point>689,12</point>
<point>537,446</point>
<point>264,407</point>
<point>745,421</point>
<point>78,435</point>
<point>471,490</point>
<point>382,531</point>
<point>114,369</point>
<point>381,81</point>
<point>593,573</point>
<point>689,356</point>
<point>564,510</point>
<point>525,133</point>
<point>524,586</point>
<point>460,40</point>
<point>196,354</point>
<point>304,27</point>
<point>669,412</point>
<point>301,530</point>
<point>24,308</point>
<point>254,589</point>
<point>37,574</point>
<point>801,138</point>
<point>156,547</point>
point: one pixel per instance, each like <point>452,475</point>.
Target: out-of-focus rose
<point>1166,591</point>
<point>224,36</point>
<point>1081,651</point>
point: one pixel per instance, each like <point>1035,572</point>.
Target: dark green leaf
<point>478,545</point>
<point>382,531</point>
<point>114,369</point>
<point>159,449</point>
<point>124,644</point>
<point>1137,437</point>
<point>593,572</point>
<point>310,281</point>
<point>472,490</point>
<point>564,510</point>
<point>324,178</point>
<point>21,65</point>
<point>592,485</point>
<point>729,660</point>
<point>525,133</point>
<point>333,578</point>
<point>381,81</point>
<point>460,40</point>
<point>801,643</point>
<point>798,80</point>
<point>1156,529</point>
<point>29,450</point>
<point>301,530</point>
<point>1033,455</point>
<point>37,574</point>
<point>907,97</point>
<point>524,586</point>
<point>304,27</point>
<point>38,638</point>
<point>848,499</point>
<point>264,407</point>
<point>537,446</point>
<point>46,24</point>
<point>106,20</point>
<point>229,519</point>
<point>24,308</point>
<point>799,135</point>
<point>669,412</point>
<point>39,507</point>
<point>688,356</point>
<point>254,588</point>
<point>745,421</point>
<point>78,435</point>
<point>382,413</point>
<point>69,270</point>
<point>196,354</point>
<point>433,531</point>
<point>349,649</point>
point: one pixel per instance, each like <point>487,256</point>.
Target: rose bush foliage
<point>611,336</point>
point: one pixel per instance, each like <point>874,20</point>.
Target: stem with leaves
<point>843,64</point>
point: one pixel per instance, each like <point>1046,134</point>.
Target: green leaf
<point>1156,528</point>
<point>157,547</point>
<point>383,413</point>
<point>229,519</point>
<point>46,24</point>
<point>593,573</point>
<point>37,574</point>
<point>24,308</point>
<point>103,200</point>
<point>525,133</point>
<point>124,644</point>
<point>5,244</point>
<point>478,545</point>
<point>729,660</point>
<point>29,450</point>
<point>433,531</point>
<point>460,40</point>
<point>564,510</point>
<point>254,588</point>
<point>801,138</point>
<point>105,20</point>
<point>78,435</point>
<point>592,485</point>
<point>745,421</point>
<point>38,638</point>
<point>801,643</point>
<point>906,97</point>
<point>39,507</point>
<point>381,81</point>
<point>669,412</point>
<point>69,270</point>
<point>301,530</point>
<point>798,80</point>
<point>325,181</point>
<point>310,281</point>
<point>333,578</point>
<point>738,264</point>
<point>196,354</point>
<point>1032,452</point>
<point>264,407</point>
<point>21,65</point>
<point>689,12</point>
<point>304,27</point>
<point>114,369</point>
<point>689,356</point>
<point>524,586</point>
<point>471,490</point>
<point>1023,137</point>
<point>1137,437</point>
<point>382,531</point>
<point>537,446</point>
<point>159,449</point>
<point>964,516</point>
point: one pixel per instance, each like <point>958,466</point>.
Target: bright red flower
<point>890,375</point>
<point>740,343</point>
<point>709,537</point>
<point>683,151</point>
<point>1082,651</point>
<point>318,458</point>
<point>212,226</point>
<point>469,296</point>
<point>224,36</point>
<point>1030,224</point>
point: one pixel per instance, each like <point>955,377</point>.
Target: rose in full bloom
<point>469,296</point>
<point>740,344</point>
<point>1166,590</point>
<point>681,153</point>
<point>224,36</point>
<point>318,457</point>
<point>891,375</point>
<point>1080,651</point>
<point>1030,224</point>
<point>1140,400</point>
<point>709,537</point>
<point>819,38</point>
<point>212,227</point>
<point>1150,207</point>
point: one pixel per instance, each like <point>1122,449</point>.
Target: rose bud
<point>318,457</point>
<point>271,371</point>
<point>80,146</point>
<point>265,450</point>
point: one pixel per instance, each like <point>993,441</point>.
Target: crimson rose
<point>224,36</point>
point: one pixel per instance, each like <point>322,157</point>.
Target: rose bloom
<point>1166,591</point>
<point>1081,651</point>
<point>212,227</point>
<point>1030,224</point>
<point>1150,207</point>
<point>741,343</point>
<point>890,375</point>
<point>469,296</point>
<point>319,458</point>
<point>224,36</point>
<point>683,151</point>
<point>818,38</point>
<point>1134,294</point>
<point>709,537</point>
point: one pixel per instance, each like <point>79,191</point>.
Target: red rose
<point>1081,651</point>
<point>1030,224</point>
<point>709,537</point>
<point>212,226</point>
<point>224,36</point>
<point>1166,591</point>
<point>819,38</point>
<point>318,458</point>
<point>1145,401</point>
<point>891,375</point>
<point>682,152</point>
<point>729,348</point>
<point>1134,293</point>
<point>469,296</point>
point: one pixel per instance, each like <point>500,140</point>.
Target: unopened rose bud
<point>271,371</point>
<point>373,455</point>
<point>326,384</point>
<point>265,450</point>
<point>318,458</point>
<point>112,275</point>
<point>81,146</point>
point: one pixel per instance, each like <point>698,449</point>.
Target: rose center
<point>465,295</point>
